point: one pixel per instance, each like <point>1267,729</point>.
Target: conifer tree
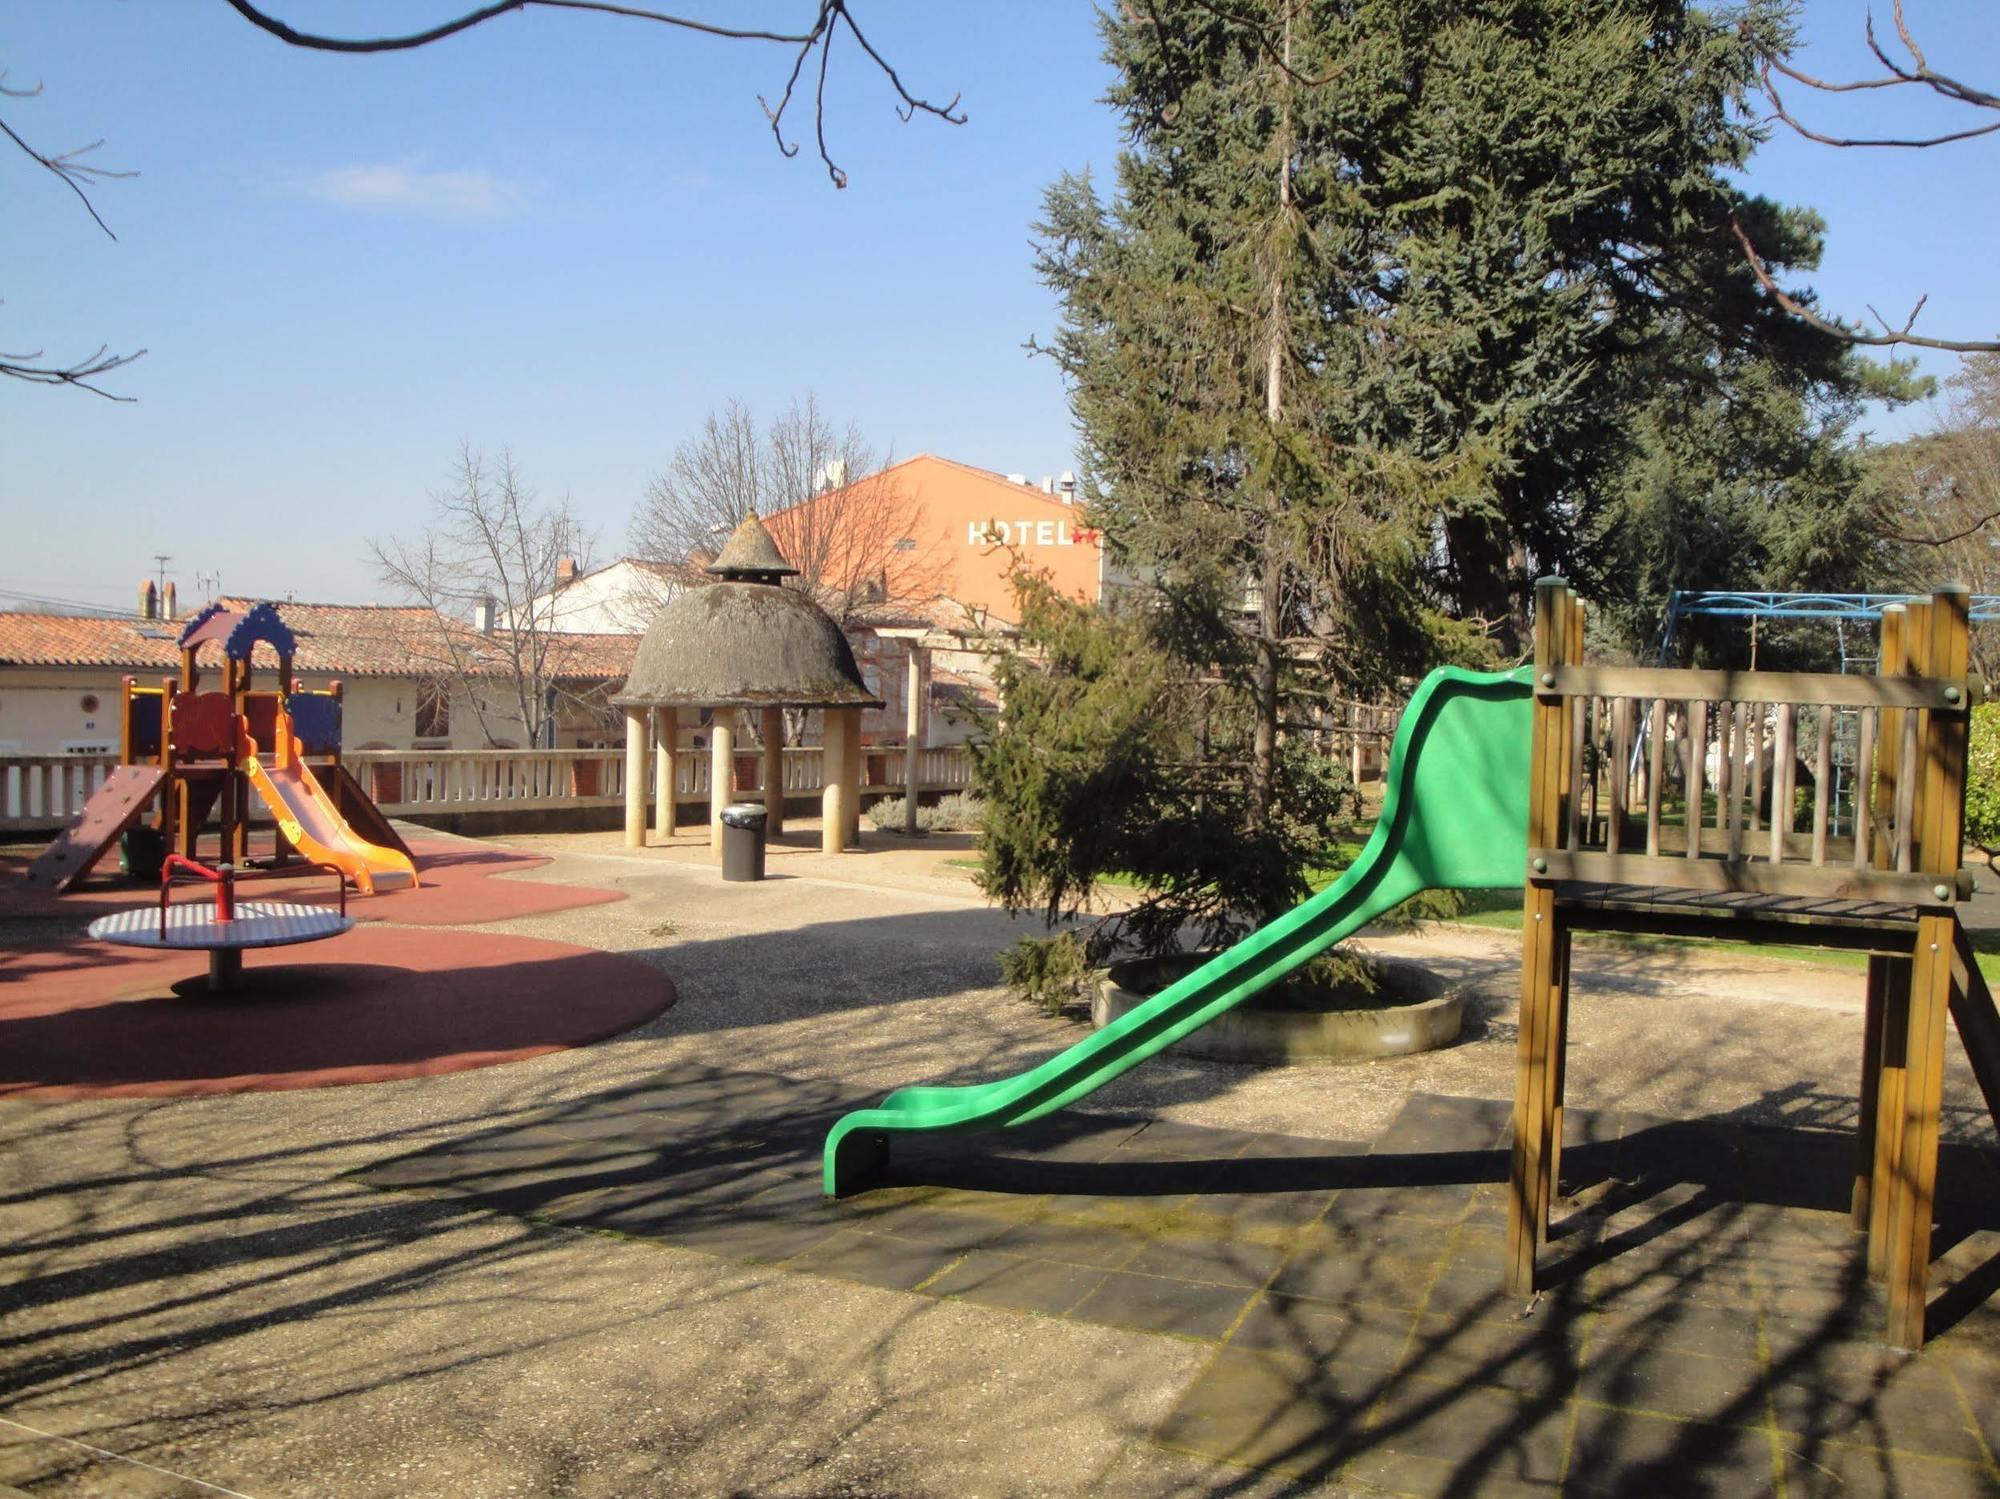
<point>1390,309</point>
<point>1384,284</point>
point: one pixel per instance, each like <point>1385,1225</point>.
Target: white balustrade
<point>39,792</point>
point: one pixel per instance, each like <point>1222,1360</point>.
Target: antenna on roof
<point>163,558</point>
<point>209,583</point>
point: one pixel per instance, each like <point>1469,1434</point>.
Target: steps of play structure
<point>1454,816</point>
<point>114,808</point>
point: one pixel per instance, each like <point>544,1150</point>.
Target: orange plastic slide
<point>313,825</point>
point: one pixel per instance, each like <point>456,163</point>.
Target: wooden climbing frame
<point>1617,751</point>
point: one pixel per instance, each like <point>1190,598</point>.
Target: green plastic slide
<point>1454,816</point>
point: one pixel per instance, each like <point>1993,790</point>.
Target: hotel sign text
<point>1022,533</point>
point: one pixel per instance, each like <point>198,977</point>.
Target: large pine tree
<point>1383,287</point>
<point>1386,316</point>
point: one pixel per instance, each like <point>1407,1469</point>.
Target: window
<point>433,710</point>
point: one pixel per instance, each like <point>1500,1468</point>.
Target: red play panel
<point>82,1019</point>
<point>456,890</point>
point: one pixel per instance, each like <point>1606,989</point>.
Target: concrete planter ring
<point>1289,1031</point>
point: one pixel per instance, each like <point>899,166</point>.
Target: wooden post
<point>1885,1046</point>
<point>833,781</point>
<point>1755,713</point>
<point>1823,784</point>
<point>774,771</point>
<point>1784,756</point>
<point>635,777</point>
<point>721,773</point>
<point>1694,775</point>
<point>1941,807</point>
<point>1547,764</point>
<point>1656,761</point>
<point>1621,789</point>
<point>913,750</point>
<point>666,747</point>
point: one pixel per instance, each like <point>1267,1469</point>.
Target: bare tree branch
<point>79,374</point>
<point>1970,528</point>
<point>827,20</point>
<point>1916,73</point>
<point>1922,75</point>
<point>1910,143</point>
<point>858,539</point>
<point>492,544</point>
<point>73,172</point>
<point>77,174</point>
<point>1847,332</point>
<point>295,38</point>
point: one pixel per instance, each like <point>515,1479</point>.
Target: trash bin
<point>743,841</point>
<point>141,852</point>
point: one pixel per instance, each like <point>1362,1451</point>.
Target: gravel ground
<point>197,1285</point>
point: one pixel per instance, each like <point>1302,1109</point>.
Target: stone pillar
<point>721,773</point>
<point>852,832</point>
<point>666,744</point>
<point>635,777</point>
<point>774,772</point>
<point>834,784</point>
<point>913,727</point>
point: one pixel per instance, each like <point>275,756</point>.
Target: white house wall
<point>42,712</point>
<point>617,600</point>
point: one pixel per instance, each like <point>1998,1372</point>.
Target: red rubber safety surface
<point>88,1020</point>
<point>455,891</point>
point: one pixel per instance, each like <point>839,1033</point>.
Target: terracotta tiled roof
<point>345,640</point>
<point>81,640</point>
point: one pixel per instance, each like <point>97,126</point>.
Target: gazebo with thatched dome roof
<point>744,643</point>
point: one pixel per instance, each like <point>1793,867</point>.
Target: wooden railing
<point>1693,778</point>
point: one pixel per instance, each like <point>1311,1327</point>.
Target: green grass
<point>1501,910</point>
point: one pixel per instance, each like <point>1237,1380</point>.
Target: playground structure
<point>230,930</point>
<point>1557,777</point>
<point>196,753</point>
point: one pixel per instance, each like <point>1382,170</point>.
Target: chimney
<point>482,615</point>
<point>565,571</point>
<point>1048,484</point>
<point>169,604</point>
<point>1017,478</point>
<point>1066,487</point>
<point>149,600</point>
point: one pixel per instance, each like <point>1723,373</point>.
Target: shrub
<point>960,812</point>
<point>957,813</point>
<point>1054,973</point>
<point>887,815</point>
<point>1982,780</point>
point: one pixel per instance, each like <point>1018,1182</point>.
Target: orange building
<point>957,530</point>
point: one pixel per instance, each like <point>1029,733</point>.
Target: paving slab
<point>1373,1343</point>
<point>646,1293</point>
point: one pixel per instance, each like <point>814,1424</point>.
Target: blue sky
<point>572,236</point>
